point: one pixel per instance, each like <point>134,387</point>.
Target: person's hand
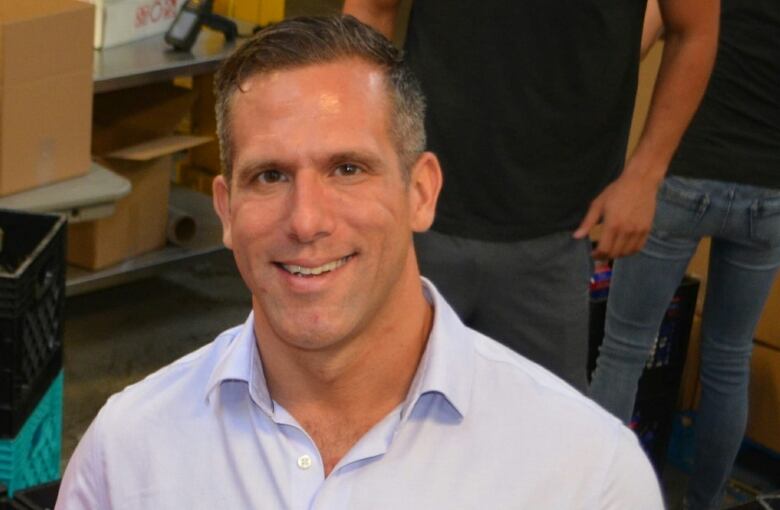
<point>626,208</point>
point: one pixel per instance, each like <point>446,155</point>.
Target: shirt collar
<point>240,361</point>
<point>446,367</point>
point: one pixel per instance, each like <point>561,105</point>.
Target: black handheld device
<point>193,15</point>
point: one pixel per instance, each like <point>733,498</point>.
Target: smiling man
<point>352,384</point>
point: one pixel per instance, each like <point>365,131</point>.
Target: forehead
<point>323,88</point>
<point>315,106</point>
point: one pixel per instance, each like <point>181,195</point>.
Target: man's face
<point>318,214</point>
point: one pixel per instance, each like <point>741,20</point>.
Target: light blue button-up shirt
<point>481,428</point>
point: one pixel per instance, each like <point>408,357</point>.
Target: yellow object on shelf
<point>256,11</point>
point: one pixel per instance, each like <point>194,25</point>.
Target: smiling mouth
<point>308,272</point>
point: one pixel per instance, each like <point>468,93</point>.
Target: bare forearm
<point>685,68</point>
<point>627,206</point>
<point>380,14</point>
<point>653,26</point>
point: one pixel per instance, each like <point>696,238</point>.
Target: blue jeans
<point>744,223</point>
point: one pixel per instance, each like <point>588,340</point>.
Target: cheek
<point>385,221</point>
<point>252,228</point>
<point>381,206</point>
<point>256,214</point>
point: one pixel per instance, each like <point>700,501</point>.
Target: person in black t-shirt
<point>724,182</point>
<point>530,104</point>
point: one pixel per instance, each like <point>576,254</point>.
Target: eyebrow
<point>357,157</point>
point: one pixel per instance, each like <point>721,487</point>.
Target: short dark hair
<point>303,41</point>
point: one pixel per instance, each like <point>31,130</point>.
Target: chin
<point>308,335</point>
<point>306,326</point>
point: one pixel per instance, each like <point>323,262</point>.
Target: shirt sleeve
<point>630,481</point>
<point>84,485</point>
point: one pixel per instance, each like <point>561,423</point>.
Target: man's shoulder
<point>172,388</point>
<point>495,356</point>
<point>521,411</point>
<point>515,384</point>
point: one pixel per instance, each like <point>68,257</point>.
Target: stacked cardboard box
<point>45,92</point>
<point>133,135</point>
<point>204,162</point>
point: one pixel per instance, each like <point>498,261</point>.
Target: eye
<point>348,169</point>
<point>271,176</point>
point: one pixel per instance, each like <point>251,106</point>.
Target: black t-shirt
<point>735,135</point>
<point>529,107</point>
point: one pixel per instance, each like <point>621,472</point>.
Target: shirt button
<point>304,462</point>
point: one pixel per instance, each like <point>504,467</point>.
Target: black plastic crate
<point>663,372</point>
<point>652,422</point>
<point>10,504</point>
<point>32,304</point>
<point>39,497</point>
<point>664,367</point>
<point>5,502</point>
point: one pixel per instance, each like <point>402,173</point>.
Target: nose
<point>310,215</point>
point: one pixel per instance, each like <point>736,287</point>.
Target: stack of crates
<point>32,301</point>
<point>659,384</point>
<point>4,503</point>
<point>39,497</point>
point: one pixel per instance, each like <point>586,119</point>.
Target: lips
<point>305,271</point>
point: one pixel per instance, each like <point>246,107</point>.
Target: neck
<point>360,373</point>
<point>339,392</point>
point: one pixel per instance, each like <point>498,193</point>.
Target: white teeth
<point>308,271</point>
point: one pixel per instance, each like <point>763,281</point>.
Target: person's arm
<point>626,207</point>
<point>653,26</point>
<point>380,14</point>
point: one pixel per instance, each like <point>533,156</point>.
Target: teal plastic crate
<point>33,455</point>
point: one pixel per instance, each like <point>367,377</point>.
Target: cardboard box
<point>132,135</point>
<point>697,268</point>
<point>195,178</point>
<point>45,92</point>
<point>139,223</point>
<point>768,329</point>
<point>123,21</point>
<point>205,158</point>
<point>130,117</point>
<point>764,415</point>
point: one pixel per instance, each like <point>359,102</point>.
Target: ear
<point>221,194</point>
<point>424,186</point>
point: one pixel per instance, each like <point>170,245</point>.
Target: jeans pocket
<point>765,221</point>
<point>679,209</point>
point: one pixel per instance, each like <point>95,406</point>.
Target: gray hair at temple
<point>304,41</point>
